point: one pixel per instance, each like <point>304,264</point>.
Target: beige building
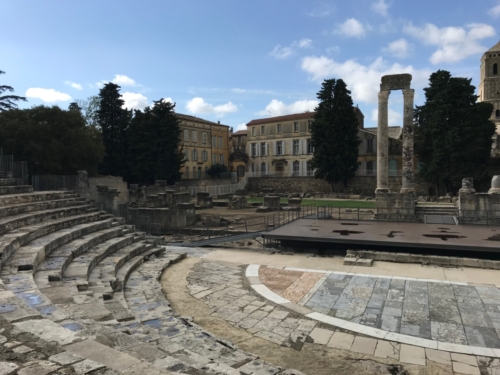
<point>489,88</point>
<point>281,146</point>
<point>238,156</point>
<point>203,143</point>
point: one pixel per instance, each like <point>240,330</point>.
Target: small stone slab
<point>349,261</point>
<point>87,366</point>
<point>387,349</point>
<point>65,358</point>
<point>412,354</point>
<point>7,368</point>
<point>321,336</point>
<point>364,345</point>
<point>38,368</point>
<point>341,340</point>
<point>438,356</point>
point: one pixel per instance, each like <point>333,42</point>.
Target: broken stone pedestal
<point>272,202</point>
<point>495,185</point>
<point>203,200</point>
<point>395,206</point>
<point>237,202</point>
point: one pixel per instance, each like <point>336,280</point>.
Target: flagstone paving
<point>453,313</point>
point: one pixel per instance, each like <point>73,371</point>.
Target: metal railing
<point>54,182</point>
<point>203,175</point>
<point>15,169</point>
<point>479,217</point>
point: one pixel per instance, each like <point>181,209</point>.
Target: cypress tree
<point>453,137</point>
<point>334,134</point>
<point>113,120</point>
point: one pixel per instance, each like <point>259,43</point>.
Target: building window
<point>262,130</point>
<point>187,172</point>
<point>253,131</point>
<point>279,148</point>
<point>497,114</point>
<point>279,128</point>
<point>310,148</point>
<point>253,167</point>
<point>310,170</point>
<point>495,68</point>
<point>254,149</point>
<point>186,154</point>
<point>393,168</point>
<point>369,167</point>
<point>296,168</point>
<point>263,149</point>
<point>214,158</point>
<point>204,137</point>
<point>214,142</point>
<point>263,168</point>
<point>186,135</point>
<point>195,155</point>
<point>296,147</point>
<point>204,155</point>
<point>221,159</point>
<point>295,127</point>
<point>369,145</point>
<point>220,142</point>
<point>195,136</point>
<point>309,125</point>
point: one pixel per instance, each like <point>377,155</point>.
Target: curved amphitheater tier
<point>79,290</point>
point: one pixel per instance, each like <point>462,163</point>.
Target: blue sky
<point>235,61</point>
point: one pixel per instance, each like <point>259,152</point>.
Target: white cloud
<point>454,43</point>
<point>123,80</point>
<point>134,100</point>
<point>278,108</point>
<point>251,91</point>
<point>323,10</point>
<point>351,28</point>
<point>74,85</point>
<point>242,126</point>
<point>395,118</point>
<point>47,95</point>
<point>495,11</point>
<point>380,7</point>
<point>333,50</point>
<point>199,106</point>
<point>362,80</point>
<point>280,52</point>
<point>399,48</point>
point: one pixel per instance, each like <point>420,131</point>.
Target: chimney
<point>218,122</point>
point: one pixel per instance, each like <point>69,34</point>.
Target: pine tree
<point>334,134</point>
<point>113,121</point>
<point>7,101</point>
<point>453,133</point>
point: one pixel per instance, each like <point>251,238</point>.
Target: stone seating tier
<point>85,281</point>
<point>16,189</point>
<point>8,182</point>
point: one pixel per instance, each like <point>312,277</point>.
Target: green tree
<point>52,140</point>
<point>453,137</point>
<point>216,169</point>
<point>7,101</point>
<point>154,139</point>
<point>113,121</point>
<point>90,108</point>
<point>334,134</point>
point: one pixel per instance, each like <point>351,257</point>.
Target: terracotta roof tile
<point>297,116</point>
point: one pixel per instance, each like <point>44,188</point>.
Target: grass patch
<point>343,203</point>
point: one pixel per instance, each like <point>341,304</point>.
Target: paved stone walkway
<point>446,312</point>
<point>222,287</point>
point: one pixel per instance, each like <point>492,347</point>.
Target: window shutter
<point>291,167</point>
<point>275,148</point>
<point>300,147</point>
<point>267,152</point>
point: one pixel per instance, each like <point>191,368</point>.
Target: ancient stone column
<point>383,143</point>
<point>408,184</point>
<point>495,185</point>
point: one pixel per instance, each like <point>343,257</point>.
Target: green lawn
<point>344,203</point>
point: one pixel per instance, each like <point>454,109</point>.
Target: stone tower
<point>489,87</point>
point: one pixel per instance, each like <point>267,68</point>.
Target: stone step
<point>103,279</point>
<point>21,220</point>
<point>37,196</point>
<point>131,264</point>
<point>5,174</point>
<point>81,266</point>
<point>12,241</point>
<point>56,262</point>
<point>8,182</point>
<point>38,206</point>
<point>4,190</point>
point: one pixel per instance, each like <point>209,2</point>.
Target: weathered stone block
<point>471,262</point>
<point>440,260</point>
<point>352,252</point>
<point>456,261</point>
<point>364,262</point>
<point>387,257</point>
<point>403,257</point>
<point>420,258</point>
<point>272,202</point>
<point>349,261</point>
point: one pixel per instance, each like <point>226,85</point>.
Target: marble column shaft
<point>408,184</point>
<point>383,142</point>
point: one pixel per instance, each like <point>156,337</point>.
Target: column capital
<point>408,94</point>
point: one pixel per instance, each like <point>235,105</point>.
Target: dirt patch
<point>313,359</point>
